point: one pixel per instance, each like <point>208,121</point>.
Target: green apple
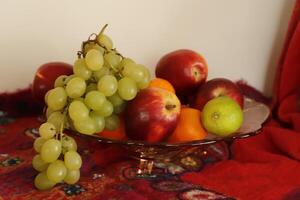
<point>222,116</point>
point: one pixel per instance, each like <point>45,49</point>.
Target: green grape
<point>99,121</point>
<point>134,72</point>
<point>94,100</point>
<point>125,61</point>
<point>86,126</point>
<point>116,100</point>
<point>38,143</point>
<point>120,108</point>
<point>112,122</point>
<point>106,64</point>
<point>57,119</point>
<point>68,144</point>
<point>78,111</point>
<point>47,130</point>
<point>46,96</point>
<point>112,59</point>
<point>80,69</point>
<point>42,182</point>
<point>108,85</point>
<point>92,45</point>
<point>106,109</point>
<point>127,88</point>
<point>51,150</point>
<point>60,81</point>
<point>76,87</point>
<point>72,176</point>
<point>91,87</point>
<point>103,71</point>
<point>72,160</point>
<point>104,40</point>
<point>57,98</point>
<point>146,80</point>
<point>94,60</point>
<point>38,163</point>
<point>57,171</point>
<point>69,78</point>
<point>49,111</point>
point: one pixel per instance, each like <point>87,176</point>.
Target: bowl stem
<point>145,167</point>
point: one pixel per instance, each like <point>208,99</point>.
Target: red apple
<point>45,77</point>
<point>185,69</point>
<point>152,115</point>
<point>215,88</point>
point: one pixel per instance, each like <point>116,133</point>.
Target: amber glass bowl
<point>255,115</point>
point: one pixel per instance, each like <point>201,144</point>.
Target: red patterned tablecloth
<point>106,173</point>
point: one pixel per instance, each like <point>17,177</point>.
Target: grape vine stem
<point>62,126</point>
<point>103,29</point>
<point>90,40</point>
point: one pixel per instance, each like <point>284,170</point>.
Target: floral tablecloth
<point>106,173</point>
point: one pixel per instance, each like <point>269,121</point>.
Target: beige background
<point>239,38</point>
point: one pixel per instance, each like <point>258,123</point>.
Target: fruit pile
<point>112,96</point>
<point>180,105</point>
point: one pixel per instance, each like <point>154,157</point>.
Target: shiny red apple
<point>185,69</point>
<point>152,115</point>
<point>217,87</point>
<point>45,77</point>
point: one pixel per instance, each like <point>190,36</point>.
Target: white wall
<point>239,38</point>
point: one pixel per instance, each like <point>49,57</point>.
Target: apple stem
<point>197,74</point>
<point>170,106</point>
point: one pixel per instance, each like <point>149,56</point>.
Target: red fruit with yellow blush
<point>215,88</point>
<point>45,77</point>
<point>152,115</point>
<point>185,69</point>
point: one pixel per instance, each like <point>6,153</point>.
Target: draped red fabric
<point>267,166</point>
<point>287,82</point>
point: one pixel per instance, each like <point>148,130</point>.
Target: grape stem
<point>103,29</point>
<point>90,37</point>
<point>90,40</point>
<point>94,40</point>
<point>115,70</point>
<point>61,134</point>
<point>79,54</point>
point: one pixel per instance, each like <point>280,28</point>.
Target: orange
<point>189,126</point>
<point>162,83</point>
<point>117,134</point>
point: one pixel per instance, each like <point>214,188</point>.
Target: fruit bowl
<point>255,115</point>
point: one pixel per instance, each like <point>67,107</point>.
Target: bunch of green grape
<point>88,101</point>
<point>97,92</point>
<point>57,160</point>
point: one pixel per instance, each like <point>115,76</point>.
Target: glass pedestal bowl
<point>151,155</point>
